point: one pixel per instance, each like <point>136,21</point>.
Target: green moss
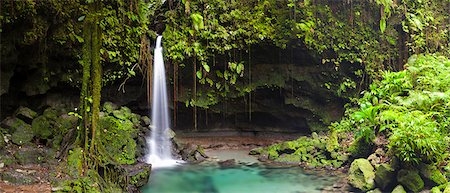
<point>75,162</point>
<point>384,176</point>
<point>399,189</point>
<point>361,174</point>
<point>410,179</point>
<point>23,133</point>
<point>42,127</point>
<point>116,140</point>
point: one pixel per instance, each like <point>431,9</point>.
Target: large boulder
<point>384,176</point>
<point>410,179</point>
<point>23,133</point>
<point>431,175</point>
<point>362,174</point>
<point>26,114</point>
<point>42,127</point>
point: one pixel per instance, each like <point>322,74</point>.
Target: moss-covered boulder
<point>399,189</point>
<point>109,107</point>
<point>26,114</point>
<point>362,174</point>
<point>137,175</point>
<point>410,179</point>
<point>431,175</point>
<point>42,127</point>
<point>117,144</point>
<point>23,134</point>
<point>384,176</point>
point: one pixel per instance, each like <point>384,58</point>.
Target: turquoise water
<point>239,179</point>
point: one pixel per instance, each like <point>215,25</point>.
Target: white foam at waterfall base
<point>160,152</point>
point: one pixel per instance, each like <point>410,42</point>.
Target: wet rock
<point>18,178</point>
<point>191,152</point>
<point>145,121</point>
<point>431,175</point>
<point>23,133</point>
<point>227,163</point>
<point>256,151</point>
<point>410,179</point>
<point>137,175</point>
<point>171,133</point>
<point>399,189</point>
<point>362,174</point>
<point>384,176</point>
<point>109,107</point>
<point>25,114</point>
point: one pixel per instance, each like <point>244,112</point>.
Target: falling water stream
<point>160,152</point>
<point>170,177</point>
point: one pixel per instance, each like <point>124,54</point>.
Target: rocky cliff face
<point>292,92</point>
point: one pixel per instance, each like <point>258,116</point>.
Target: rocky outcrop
<point>361,175</point>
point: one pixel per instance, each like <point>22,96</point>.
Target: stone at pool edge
<point>362,174</point>
<point>137,174</point>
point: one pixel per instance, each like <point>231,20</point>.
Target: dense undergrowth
<point>400,122</point>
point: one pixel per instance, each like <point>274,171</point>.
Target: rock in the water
<point>384,176</point>
<point>432,175</point>
<point>410,179</point>
<point>23,133</point>
<point>170,133</point>
<point>227,163</point>
<point>26,114</point>
<point>362,175</point>
<point>398,189</point>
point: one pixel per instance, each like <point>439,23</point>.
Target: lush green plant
<point>409,107</point>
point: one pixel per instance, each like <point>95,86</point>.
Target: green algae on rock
<point>362,175</point>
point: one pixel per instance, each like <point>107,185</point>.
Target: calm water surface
<point>238,179</point>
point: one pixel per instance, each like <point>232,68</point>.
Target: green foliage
<point>410,107</point>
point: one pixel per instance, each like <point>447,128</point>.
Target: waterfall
<point>160,152</point>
